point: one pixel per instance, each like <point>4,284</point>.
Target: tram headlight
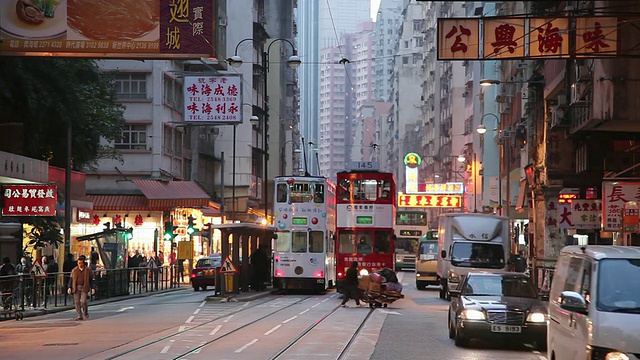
<point>364,272</point>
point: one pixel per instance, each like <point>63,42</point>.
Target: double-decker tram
<point>410,225</point>
<point>305,215</point>
<point>365,214</point>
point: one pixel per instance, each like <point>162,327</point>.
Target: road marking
<point>126,308</point>
<point>315,305</point>
<point>214,331</point>
<point>325,300</point>
<point>189,319</point>
<point>196,312</point>
<point>247,345</point>
<point>166,348</point>
<point>202,304</point>
<point>183,328</point>
<point>289,319</point>
<point>228,318</point>
<point>245,304</point>
<point>303,312</point>
<point>390,312</point>
<point>273,329</point>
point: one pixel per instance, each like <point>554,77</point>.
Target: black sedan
<point>497,306</point>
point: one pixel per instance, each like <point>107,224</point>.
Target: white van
<point>594,304</point>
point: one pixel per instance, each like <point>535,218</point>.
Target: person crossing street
<point>80,284</point>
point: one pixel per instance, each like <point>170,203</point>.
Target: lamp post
<point>283,156</point>
<point>294,61</point>
<point>482,129</point>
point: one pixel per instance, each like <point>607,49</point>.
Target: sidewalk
<point>243,296</point>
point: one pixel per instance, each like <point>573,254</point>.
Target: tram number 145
<point>364,165</point>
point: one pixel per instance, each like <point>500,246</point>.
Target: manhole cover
<point>61,344</point>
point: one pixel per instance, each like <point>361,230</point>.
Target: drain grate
<point>60,344</point>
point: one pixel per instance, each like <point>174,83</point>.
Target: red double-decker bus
<point>365,214</point>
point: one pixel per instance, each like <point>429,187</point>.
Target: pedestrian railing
<point>28,292</point>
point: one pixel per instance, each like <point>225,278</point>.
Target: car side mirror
<point>574,302</point>
<point>454,292</point>
<point>443,254</point>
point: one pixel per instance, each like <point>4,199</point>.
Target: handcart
<point>380,298</point>
<point>10,300</point>
<point>377,291</point>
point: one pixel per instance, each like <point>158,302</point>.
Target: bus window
<point>347,243</point>
<point>318,196</point>
<point>281,195</point>
<point>345,189</point>
<point>382,242</point>
<point>283,242</point>
<point>299,242</point>
<point>316,242</point>
<point>364,243</point>
<point>415,218</point>
<point>365,189</point>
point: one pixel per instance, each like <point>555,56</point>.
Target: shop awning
<point>119,202</point>
<point>522,196</point>
<point>170,194</point>
<point>210,211</point>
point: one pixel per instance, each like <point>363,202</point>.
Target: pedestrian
<point>25,288</point>
<point>80,284</point>
<point>350,285</point>
<point>7,272</point>
<point>180,271</point>
<point>95,257</point>
<point>68,265</point>
<point>52,272</point>
<point>260,264</point>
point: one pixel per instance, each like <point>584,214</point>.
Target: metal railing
<point>21,292</point>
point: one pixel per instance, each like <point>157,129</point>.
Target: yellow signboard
<point>429,201</point>
<point>185,249</point>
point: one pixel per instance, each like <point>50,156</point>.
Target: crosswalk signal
<point>128,234</point>
<point>168,231</point>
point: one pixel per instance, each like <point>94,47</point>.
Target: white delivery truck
<point>470,242</point>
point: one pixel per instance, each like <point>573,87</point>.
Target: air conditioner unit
<point>222,22</point>
<point>500,98</point>
<point>583,73</point>
<point>505,108</point>
<point>557,117</point>
<point>577,93</point>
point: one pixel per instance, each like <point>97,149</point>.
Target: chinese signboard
<point>213,99</point>
<point>614,196</point>
<point>429,201</point>
<point>108,29</point>
<point>518,38</point>
<point>442,188</point>
<point>412,160</point>
<point>580,214</point>
<point>29,200</point>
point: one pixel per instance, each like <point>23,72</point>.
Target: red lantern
<point>138,220</point>
<point>96,219</point>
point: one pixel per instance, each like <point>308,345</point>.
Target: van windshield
<point>619,285</point>
<point>477,255</point>
<point>428,250</point>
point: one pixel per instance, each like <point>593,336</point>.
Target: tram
<point>305,218</point>
<point>365,213</point>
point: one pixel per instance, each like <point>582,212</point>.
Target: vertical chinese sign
<point>503,38</point>
<point>213,99</point>
<point>29,200</point>
<point>458,39</point>
<point>411,163</point>
<point>614,196</point>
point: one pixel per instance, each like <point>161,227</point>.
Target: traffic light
<point>168,231</point>
<point>128,234</point>
<point>191,228</point>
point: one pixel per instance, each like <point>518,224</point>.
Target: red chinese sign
<point>429,201</point>
<point>614,197</point>
<point>504,38</point>
<point>596,36</point>
<point>213,99</point>
<point>458,39</point>
<point>29,200</point>
<point>549,37</point>
<point>442,188</point>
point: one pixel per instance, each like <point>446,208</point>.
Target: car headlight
<point>364,272</point>
<point>453,277</point>
<point>472,315</point>
<point>616,355</point>
<point>537,317</point>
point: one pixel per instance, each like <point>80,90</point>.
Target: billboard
<point>29,200</point>
<point>213,99</point>
<point>108,29</point>
<point>429,201</point>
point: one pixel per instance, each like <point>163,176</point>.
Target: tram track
<point>197,326</point>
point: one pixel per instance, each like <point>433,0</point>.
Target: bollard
<point>228,288</point>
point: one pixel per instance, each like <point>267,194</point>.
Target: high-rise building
<point>388,21</point>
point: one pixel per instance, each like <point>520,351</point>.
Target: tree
<point>45,95</point>
<point>41,232</point>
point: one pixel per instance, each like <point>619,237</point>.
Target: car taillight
<point>340,275</point>
<point>318,274</point>
<point>193,275</point>
<point>279,273</point>
<point>277,258</point>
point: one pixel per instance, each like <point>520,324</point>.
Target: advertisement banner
<point>429,201</point>
<point>614,197</point>
<point>213,99</point>
<point>108,29</point>
<point>29,200</point>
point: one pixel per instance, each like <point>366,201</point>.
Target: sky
<point>374,9</point>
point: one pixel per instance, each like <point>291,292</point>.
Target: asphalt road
<point>183,325</point>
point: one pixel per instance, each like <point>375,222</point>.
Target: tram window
<point>283,242</point>
<point>347,242</point>
<point>382,243</point>
<point>365,189</point>
<point>318,196</point>
<point>345,189</point>
<point>300,192</point>
<point>281,194</point>
<point>316,242</point>
<point>299,242</point>
<point>364,243</point>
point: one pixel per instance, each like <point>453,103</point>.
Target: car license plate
<point>320,281</point>
<point>506,329</point>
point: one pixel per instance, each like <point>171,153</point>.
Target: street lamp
<point>482,129</point>
<point>283,156</point>
<point>294,61</point>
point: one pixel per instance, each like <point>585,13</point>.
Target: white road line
<point>303,312</point>
<point>325,300</point>
<point>214,331</point>
<point>228,318</point>
<point>196,312</point>
<point>202,304</point>
<point>126,308</point>
<point>245,304</point>
<point>183,328</point>
<point>315,305</point>
<point>166,348</point>
<point>273,329</point>
<point>189,319</point>
<point>289,319</point>
<point>247,345</point>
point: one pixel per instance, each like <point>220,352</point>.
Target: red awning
<point>170,194</point>
<point>210,211</point>
<point>119,202</point>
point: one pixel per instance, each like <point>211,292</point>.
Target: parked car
<point>204,273</point>
<point>497,306</point>
<point>594,307</point>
